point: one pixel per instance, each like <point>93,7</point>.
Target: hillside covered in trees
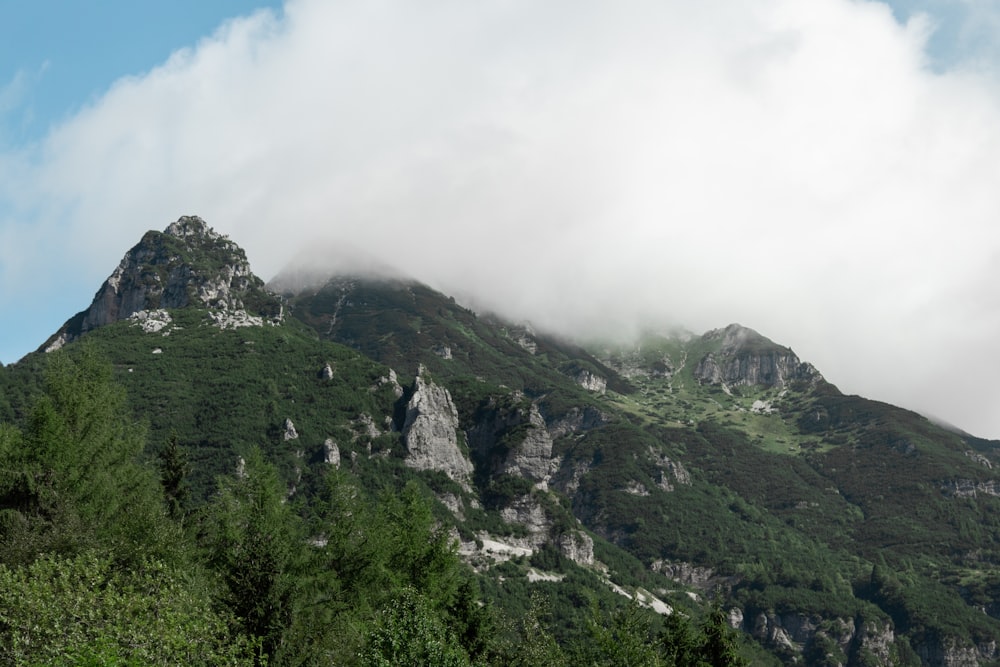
<point>199,468</point>
<point>107,558</point>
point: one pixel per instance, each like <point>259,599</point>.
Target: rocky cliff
<point>187,264</point>
<point>510,437</point>
<point>837,641</point>
<point>744,357</point>
<point>430,431</point>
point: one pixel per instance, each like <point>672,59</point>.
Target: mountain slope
<point>835,529</point>
<point>726,453</point>
<point>397,321</point>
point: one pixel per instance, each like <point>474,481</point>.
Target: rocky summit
<point>187,264</point>
<point>744,357</point>
<point>597,496</point>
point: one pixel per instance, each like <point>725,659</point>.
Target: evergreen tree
<point>536,645</point>
<point>719,647</point>
<point>681,643</point>
<point>256,543</point>
<point>174,469</point>
<point>620,638</point>
<point>71,480</point>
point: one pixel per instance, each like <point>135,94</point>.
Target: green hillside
<point>370,452</point>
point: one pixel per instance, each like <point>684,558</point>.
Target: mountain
<point>673,470</point>
<point>188,264</point>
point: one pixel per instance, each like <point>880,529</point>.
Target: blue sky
<point>825,172</point>
<point>57,56</point>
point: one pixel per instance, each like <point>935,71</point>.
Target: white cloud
<point>792,166</point>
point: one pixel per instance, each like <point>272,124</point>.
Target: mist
<point>800,168</point>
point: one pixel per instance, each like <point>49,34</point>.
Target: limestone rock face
<point>527,512</point>
<point>431,431</point>
<point>513,437</point>
<point>533,457</point>
<point>591,382</point>
<point>877,639</point>
<point>947,654</point>
<point>188,264</point>
<point>524,336</point>
<point>365,426</point>
<point>392,381</point>
<point>967,488</point>
<point>685,573</point>
<point>575,421</point>
<point>331,452</point>
<point>793,633</point>
<point>289,431</point>
<point>670,471</point>
<point>577,546</point>
<point>151,321</point>
<point>979,458</point>
<point>745,357</point>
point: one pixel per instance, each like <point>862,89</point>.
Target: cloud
<point>15,96</point>
<point>793,166</point>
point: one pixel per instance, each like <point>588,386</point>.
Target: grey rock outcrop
<point>669,471</point>
<point>289,431</point>
<point>967,488</point>
<point>636,488</point>
<point>577,546</point>
<point>979,458</point>
<point>188,264</point>
<point>591,382</point>
<point>576,420</point>
<point>528,513</point>
<point>364,426</point>
<point>948,652</point>
<point>331,453</point>
<point>631,364</point>
<point>151,321</point>
<point>431,431</point>
<point>512,437</point>
<point>524,336</point>
<point>798,634</point>
<point>745,358</point>
<point>532,458</point>
<point>392,381</point>
<point>684,573</point>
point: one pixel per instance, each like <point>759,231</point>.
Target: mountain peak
<point>191,226</point>
<point>189,264</point>
<point>745,357</point>
<point>736,337</point>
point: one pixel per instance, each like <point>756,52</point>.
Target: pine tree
<point>256,544</point>
<point>174,469</point>
<point>719,647</point>
<point>71,480</point>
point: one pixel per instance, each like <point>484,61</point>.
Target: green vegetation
<point>169,484</point>
<point>103,564</point>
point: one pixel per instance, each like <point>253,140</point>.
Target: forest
<point>109,556</point>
